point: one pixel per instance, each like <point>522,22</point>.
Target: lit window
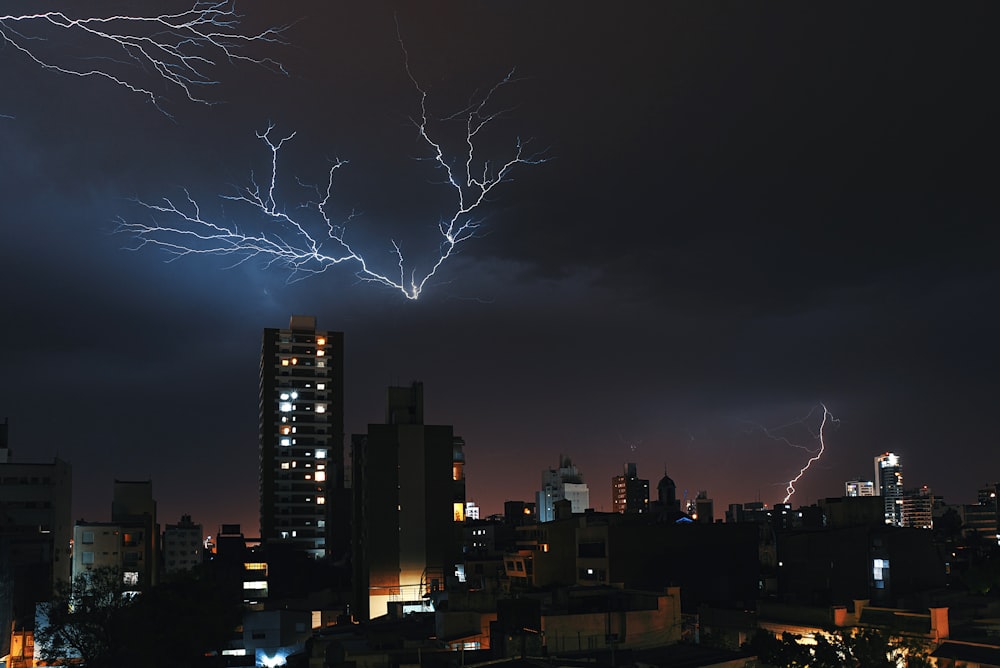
<point>285,441</point>
<point>321,454</point>
<point>295,360</point>
<point>285,407</point>
<point>283,396</point>
<point>320,476</point>
<point>321,341</point>
<point>320,353</point>
<point>320,408</point>
<point>320,500</point>
<point>254,566</point>
<point>284,466</point>
<point>308,477</point>
<point>284,362</point>
<point>285,430</point>
<point>295,395</point>
<point>130,578</point>
<point>321,363</point>
<point>320,386</point>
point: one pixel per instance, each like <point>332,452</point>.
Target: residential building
<point>629,493</point>
<point>35,533</point>
<point>561,483</point>
<point>134,510</point>
<point>301,436</point>
<point>918,508</point>
<point>183,545</point>
<point>889,485</point>
<point>409,506</point>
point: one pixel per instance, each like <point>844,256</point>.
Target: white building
<point>566,483</point>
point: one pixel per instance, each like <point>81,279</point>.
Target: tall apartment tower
<point>629,494</point>
<point>301,436</point>
<point>889,485</point>
<point>564,482</point>
<point>409,505</point>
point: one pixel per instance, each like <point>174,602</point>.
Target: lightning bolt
<point>310,242</point>
<point>179,47</point>
<point>815,452</point>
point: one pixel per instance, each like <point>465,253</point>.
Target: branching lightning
<point>310,241</point>
<point>815,452</point>
<point>179,47</point>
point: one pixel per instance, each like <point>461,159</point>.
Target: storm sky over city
<point>745,211</point>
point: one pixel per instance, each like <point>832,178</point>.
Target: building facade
<point>36,529</point>
<point>889,485</point>
<point>629,493</point>
<point>183,546</point>
<point>301,436</point>
<point>859,487</point>
<point>409,506</point>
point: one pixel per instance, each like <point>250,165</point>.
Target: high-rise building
<point>409,506</point>
<point>561,483</point>
<point>629,494</point>
<point>302,437</point>
<point>889,485</point>
<point>859,487</point>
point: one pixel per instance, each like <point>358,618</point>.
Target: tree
<point>86,619</point>
<point>97,619</point>
<point>861,647</point>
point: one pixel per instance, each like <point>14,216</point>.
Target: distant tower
<point>666,494</point>
<point>704,508</point>
<point>409,503</point>
<point>889,485</point>
<point>558,484</point>
<point>302,437</point>
<point>629,494</point>
<point>859,487</point>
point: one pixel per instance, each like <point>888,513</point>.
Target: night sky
<point>746,211</point>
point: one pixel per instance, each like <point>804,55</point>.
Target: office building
<point>629,494</point>
<point>859,487</point>
<point>302,437</point>
<point>561,483</point>
<point>889,485</point>
<point>409,507</point>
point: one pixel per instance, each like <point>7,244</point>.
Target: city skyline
<point>746,212</point>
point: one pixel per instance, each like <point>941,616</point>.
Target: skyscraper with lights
<point>889,485</point>
<point>301,435</point>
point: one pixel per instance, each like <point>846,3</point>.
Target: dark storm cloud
<point>747,211</point>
